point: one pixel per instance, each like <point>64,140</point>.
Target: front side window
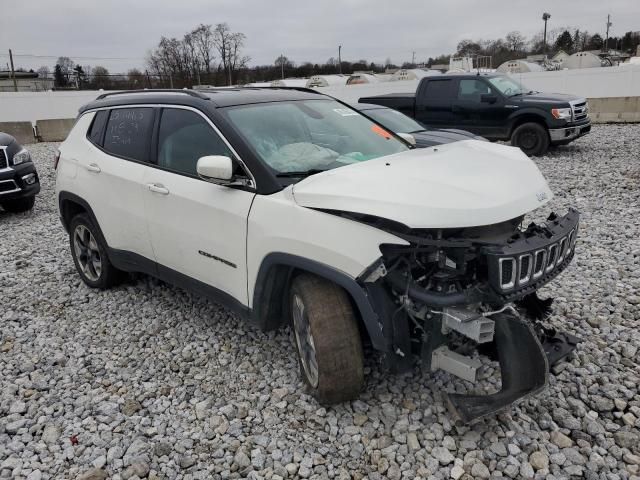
<point>472,90</point>
<point>507,86</point>
<point>129,133</point>
<point>183,138</point>
<point>302,137</point>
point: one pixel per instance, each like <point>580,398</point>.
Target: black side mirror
<point>488,98</point>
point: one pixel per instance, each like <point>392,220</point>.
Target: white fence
<point>622,81</point>
<point>607,82</point>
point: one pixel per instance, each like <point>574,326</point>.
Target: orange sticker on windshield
<point>380,131</point>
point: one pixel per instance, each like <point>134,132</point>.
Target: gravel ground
<point>148,381</point>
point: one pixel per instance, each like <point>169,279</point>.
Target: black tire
<point>329,316</point>
<point>19,205</point>
<point>532,138</point>
<point>107,275</point>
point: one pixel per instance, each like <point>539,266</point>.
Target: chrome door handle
<point>92,167</point>
<point>158,188</point>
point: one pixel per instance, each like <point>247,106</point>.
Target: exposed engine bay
<point>452,288</point>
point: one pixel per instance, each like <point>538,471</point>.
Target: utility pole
<point>282,65</point>
<point>606,42</point>
<point>339,59</point>
<point>413,59</point>
<point>13,72</point>
<point>545,16</point>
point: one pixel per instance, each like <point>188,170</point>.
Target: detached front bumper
<point>559,136</point>
<point>20,181</point>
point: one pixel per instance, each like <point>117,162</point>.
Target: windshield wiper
<point>303,173</point>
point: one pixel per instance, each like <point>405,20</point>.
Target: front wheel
<point>327,339</point>
<point>532,138</point>
<point>19,205</point>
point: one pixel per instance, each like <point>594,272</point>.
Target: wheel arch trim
<point>264,293</point>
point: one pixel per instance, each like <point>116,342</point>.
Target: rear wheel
<point>89,253</point>
<point>327,339</point>
<point>532,138</point>
<point>19,205</point>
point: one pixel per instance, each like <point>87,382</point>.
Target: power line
<point>29,55</point>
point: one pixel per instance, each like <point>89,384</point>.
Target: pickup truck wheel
<point>327,339</point>
<point>19,205</point>
<point>89,253</point>
<point>532,138</point>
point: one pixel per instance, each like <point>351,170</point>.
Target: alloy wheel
<point>87,253</point>
<point>304,340</point>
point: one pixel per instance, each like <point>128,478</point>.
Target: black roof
<point>470,75</point>
<point>214,97</point>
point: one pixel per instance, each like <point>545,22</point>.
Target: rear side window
<point>129,133</point>
<point>97,127</point>
<point>439,90</point>
<point>183,138</point>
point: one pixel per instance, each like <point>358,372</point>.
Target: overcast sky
<point>301,30</point>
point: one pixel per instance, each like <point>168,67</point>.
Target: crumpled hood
<point>461,184</point>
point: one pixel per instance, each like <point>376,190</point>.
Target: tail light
<point>56,159</point>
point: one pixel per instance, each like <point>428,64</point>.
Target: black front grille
<point>533,258</point>
<point>4,162</point>
<point>7,186</point>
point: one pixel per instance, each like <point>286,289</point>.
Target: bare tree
<point>44,72</point>
<point>203,39</point>
<point>100,77</point>
<point>515,41</point>
<point>229,46</point>
<point>66,66</point>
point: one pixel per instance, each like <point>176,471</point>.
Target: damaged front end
<point>452,289</point>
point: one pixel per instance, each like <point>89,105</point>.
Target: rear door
<point>110,175</point>
<point>198,229</point>
<point>434,100</point>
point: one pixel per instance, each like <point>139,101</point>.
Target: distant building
<point>26,82</point>
<point>519,66</point>
<point>560,57</point>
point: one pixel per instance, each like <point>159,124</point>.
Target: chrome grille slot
<point>525,267</point>
<point>562,244</point>
<point>540,262</point>
<point>552,257</point>
<point>507,273</point>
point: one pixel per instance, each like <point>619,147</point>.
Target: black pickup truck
<point>495,107</point>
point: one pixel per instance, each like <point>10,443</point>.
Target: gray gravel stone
<point>146,373</point>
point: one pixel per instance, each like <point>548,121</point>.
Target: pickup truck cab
<point>495,107</point>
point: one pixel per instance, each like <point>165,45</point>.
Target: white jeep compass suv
<point>290,207</point>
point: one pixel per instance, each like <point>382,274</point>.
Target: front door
<point>198,229</point>
<point>478,108</point>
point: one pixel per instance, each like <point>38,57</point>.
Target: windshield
<point>507,86</point>
<point>311,135</point>
<point>394,120</point>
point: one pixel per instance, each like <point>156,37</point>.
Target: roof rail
<point>156,90</point>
